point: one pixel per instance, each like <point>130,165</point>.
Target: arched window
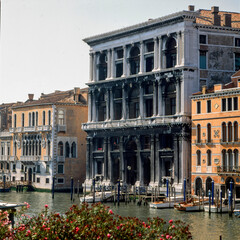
<point>67,150</point>
<point>209,136</point>
<point>198,133</point>
<point>134,60</point>
<point>236,159</point>
<point>198,158</point>
<point>49,117</point>
<point>29,119</point>
<point>133,101</point>
<point>171,53</point>
<point>229,132</point>
<point>170,99</point>
<point>23,120</point>
<point>235,132</point>
<point>44,118</point>
<point>209,158</point>
<point>36,118</point>
<point>102,114</point>
<point>33,119</point>
<point>102,67</point>
<point>230,160</point>
<point>60,117</point>
<point>224,160</point>
<point>60,149</point>
<point>73,150</point>
<point>224,132</point>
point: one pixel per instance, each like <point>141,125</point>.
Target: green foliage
<point>92,222</point>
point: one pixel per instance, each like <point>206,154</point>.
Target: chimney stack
<point>216,17</point>
<point>227,20</point>
<point>30,96</point>
<point>191,8</point>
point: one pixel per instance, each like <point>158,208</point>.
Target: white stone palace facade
<point>141,80</point>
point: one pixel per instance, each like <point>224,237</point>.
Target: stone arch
<point>198,185</point>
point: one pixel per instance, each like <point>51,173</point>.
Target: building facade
<point>215,137</point>
<point>46,140</point>
<point>141,78</point>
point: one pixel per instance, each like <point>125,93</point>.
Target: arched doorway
<point>146,171</point>
<point>198,185</point>
<point>208,185</point>
<point>30,176</point>
<point>131,162</point>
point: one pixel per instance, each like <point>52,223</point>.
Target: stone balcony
<point>5,134</point>
<point>29,158</point>
<point>60,159</point>
<point>4,158</point>
<point>44,128</point>
<point>61,128</point>
<point>13,158</point>
<point>137,122</point>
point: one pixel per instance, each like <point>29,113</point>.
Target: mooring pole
<point>118,197</point>
<point>71,188</point>
<point>53,185</point>
<point>184,189</point>
<point>212,192</point>
<point>221,201</point>
<point>230,203</point>
<point>167,187</point>
<point>209,201</point>
<point>93,190</point>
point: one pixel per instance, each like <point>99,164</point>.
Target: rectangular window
<point>14,167</point>
<point>15,120</point>
<point>44,118</point>
<point>224,104</point>
<point>60,180</point>
<point>49,117</point>
<point>203,39</point>
<point>47,180</point>
<point>237,42</point>
<point>38,180</point>
<point>38,169</point>
<point>47,168</point>
<point>119,54</point>
<point>229,104</point>
<point>203,60</point>
<point>149,64</point>
<point>36,118</point>
<point>150,47</point>
<point>237,61</point>
<point>119,69</point>
<point>235,103</point>
<point>8,149</point>
<point>209,107</point>
<point>198,107</point>
<point>22,119</point>
<point>29,119</point>
<point>13,179</point>
<point>60,168</point>
<point>22,179</point>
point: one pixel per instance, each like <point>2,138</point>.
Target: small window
<point>38,169</point>
<point>44,118</point>
<point>203,39</point>
<point>237,42</point>
<point>60,180</point>
<point>198,107</point>
<point>60,168</point>
<point>13,179</point>
<point>209,109</point>
<point>150,47</point>
<point>229,104</point>
<point>47,180</point>
<point>38,180</point>
<point>120,54</point>
<point>237,61</point>
<point>22,179</point>
<point>224,104</point>
<point>235,103</point>
<point>203,60</point>
<point>47,168</point>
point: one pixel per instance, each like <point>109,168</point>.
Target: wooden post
<point>71,188</point>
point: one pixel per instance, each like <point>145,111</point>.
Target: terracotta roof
<point>236,74</point>
<point>206,18</point>
<point>6,105</point>
<point>58,97</point>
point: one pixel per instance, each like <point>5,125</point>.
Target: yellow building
<point>47,141</point>
<point>215,137</point>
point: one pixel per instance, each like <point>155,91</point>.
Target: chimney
<point>227,20</point>
<point>216,17</point>
<point>76,90</point>
<point>30,96</point>
<point>204,89</point>
<point>191,8</point>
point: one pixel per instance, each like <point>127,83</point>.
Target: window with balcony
<point>74,150</point>
<point>102,116</point>
<point>209,158</point>
<point>99,144</point>
<point>229,132</point>
<point>44,118</point>
<point>148,99</point>
<point>102,67</point>
<point>67,150</point>
<point>134,60</point>
<point>60,149</point>
<point>198,158</point>
<point>171,53</point>
<point>170,99</point>
<point>61,117</point>
<point>224,160</point>
<point>117,103</point>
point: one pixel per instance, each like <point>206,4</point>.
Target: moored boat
<point>99,197</point>
<point>166,203</point>
<point>216,208</point>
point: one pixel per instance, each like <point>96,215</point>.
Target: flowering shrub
<point>94,222</point>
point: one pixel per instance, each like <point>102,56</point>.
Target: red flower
<point>108,235</point>
<point>46,206</point>
<point>170,221</point>
<point>110,211</point>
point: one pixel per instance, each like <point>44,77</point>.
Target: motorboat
<point>166,203</point>
<point>99,197</point>
<point>191,205</point>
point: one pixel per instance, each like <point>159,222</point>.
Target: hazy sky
<point>41,40</point>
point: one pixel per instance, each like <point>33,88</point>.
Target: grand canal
<point>202,225</point>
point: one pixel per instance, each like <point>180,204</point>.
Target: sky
<point>41,47</point>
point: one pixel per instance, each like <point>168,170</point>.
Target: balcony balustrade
<point>4,158</point>
<point>60,159</point>
<point>61,128</point>
<point>30,129</point>
<point>13,158</point>
<point>30,158</point>
<point>228,169</point>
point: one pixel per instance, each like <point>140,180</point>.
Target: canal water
<point>202,225</point>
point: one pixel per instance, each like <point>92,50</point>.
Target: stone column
<point>155,53</point>
<point>178,49</point>
<point>111,106</point>
<point>124,61</point>
<point>154,99</point>
<point>94,73</point>
<point>124,109</point>
<point>90,67</point>
<point>160,53</point>
<point>88,159</point>
<point>157,173</point>
<point>105,147</point>
<point>141,57</point>
<point>113,64</point>
<point>185,45</point>
<point>141,101</point>
<point>159,98</point>
<point>89,106</point>
<point>163,102</point>
<point>178,100</point>
<point>108,64</point>
<point>94,107</point>
<point>107,104</point>
<point>152,158</point>
<point>109,161</point>
<point>122,164</point>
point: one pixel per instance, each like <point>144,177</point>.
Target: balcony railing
<point>61,128</point>
<point>4,158</point>
<point>60,159</point>
<point>30,158</point>
<point>228,169</point>
<point>5,134</point>
<point>13,158</point>
<point>30,129</point>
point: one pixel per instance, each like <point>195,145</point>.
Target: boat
<point>99,197</point>
<point>216,208</point>
<point>166,203</point>
<point>191,205</point>
<point>236,212</point>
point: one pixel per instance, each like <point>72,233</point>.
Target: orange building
<point>215,137</point>
<point>46,140</point>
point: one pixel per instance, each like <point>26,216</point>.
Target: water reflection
<point>202,225</point>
